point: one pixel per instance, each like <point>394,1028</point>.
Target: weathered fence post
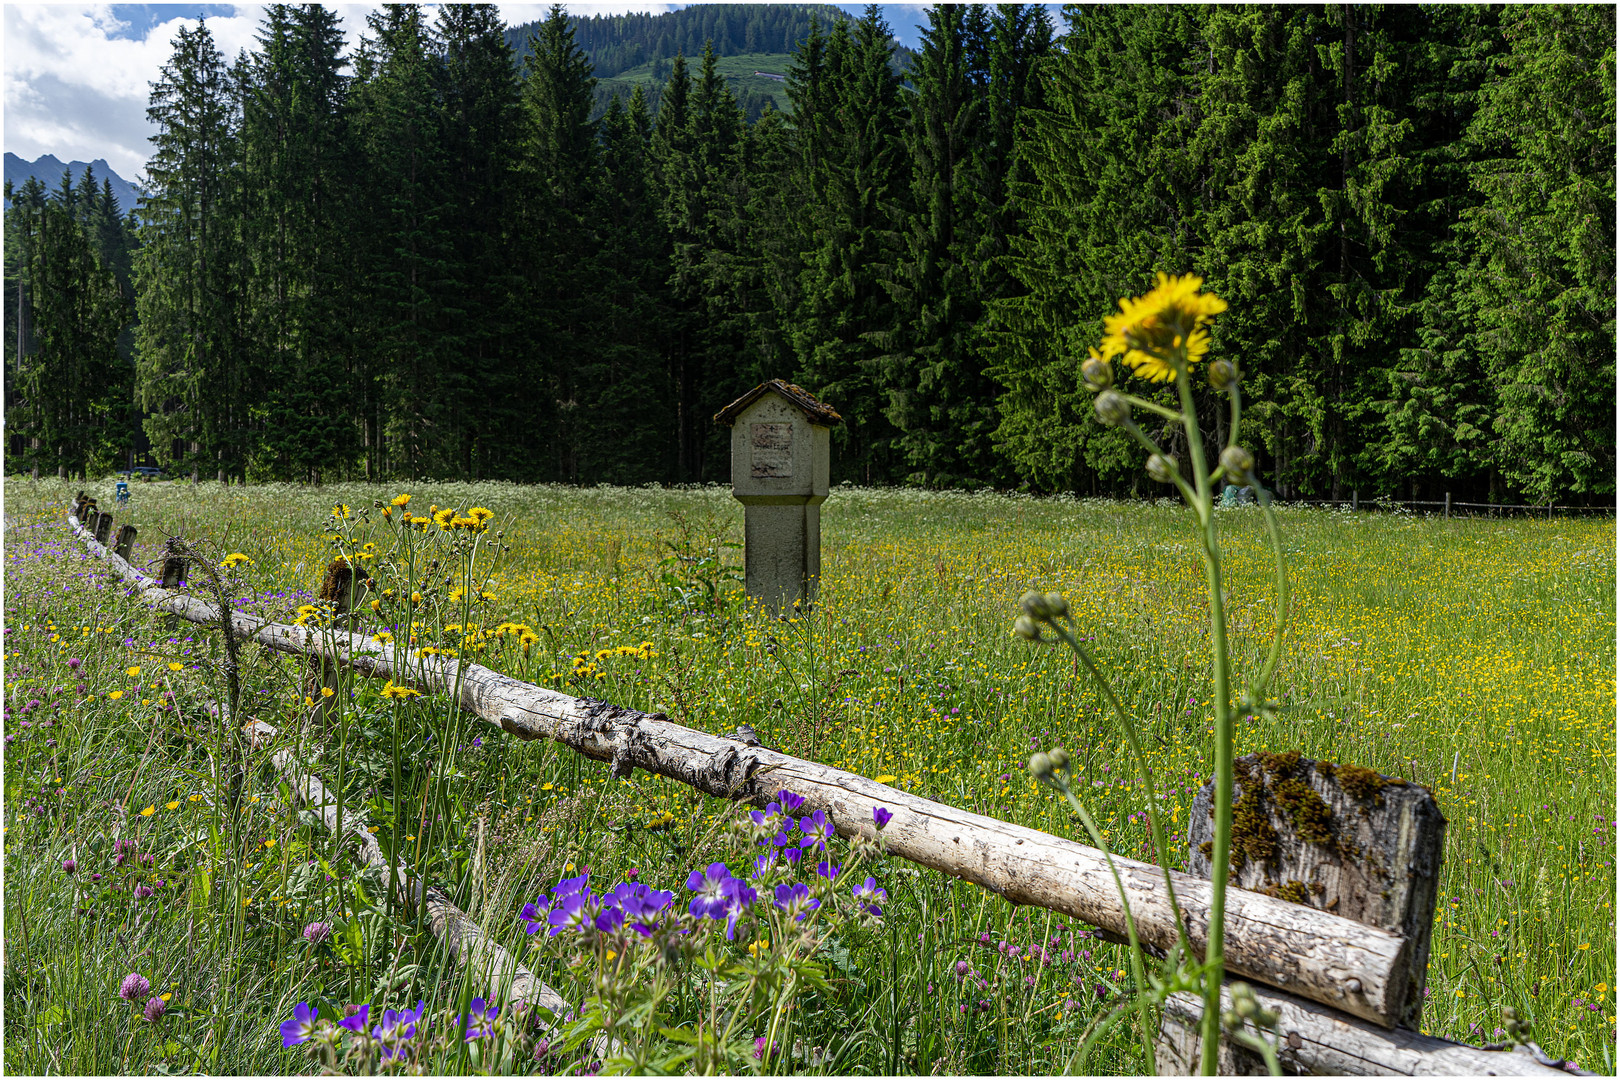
<point>1355,498</point>
<point>126,540</point>
<point>780,460</point>
<point>1448,506</point>
<point>342,589</point>
<point>104,524</point>
<point>1341,838</point>
<point>175,566</point>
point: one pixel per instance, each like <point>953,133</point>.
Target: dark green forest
<point>424,253</point>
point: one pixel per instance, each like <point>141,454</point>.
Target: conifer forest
<point>442,251</point>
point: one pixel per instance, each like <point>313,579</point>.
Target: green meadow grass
<point>1475,656</point>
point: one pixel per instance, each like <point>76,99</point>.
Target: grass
<point>737,71</point>
<point>1474,656</point>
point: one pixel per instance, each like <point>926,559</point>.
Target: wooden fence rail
<point>1361,973</point>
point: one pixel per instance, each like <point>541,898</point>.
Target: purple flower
<point>142,892</point>
<point>300,1027</point>
<point>397,1026</point>
<point>828,869</point>
<point>867,894</point>
<point>709,903</point>
<point>738,897</point>
<point>133,988</point>
<point>881,816</point>
<point>73,663</point>
<point>796,901</point>
<point>817,830</point>
<point>356,1020</point>
<point>533,916</point>
<point>481,1011</point>
<point>68,866</point>
<point>790,802</point>
<point>154,1010</point>
<point>570,885</point>
<point>638,905</point>
<point>767,817</point>
<point>762,1050</point>
<point>573,911</point>
<point>763,864</point>
<point>317,932</point>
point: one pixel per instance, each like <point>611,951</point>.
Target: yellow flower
<point>327,691</point>
<point>444,518</point>
<point>399,693</point>
<point>175,805</point>
<point>1150,330</point>
<point>401,500</point>
<point>149,811</point>
<point>116,694</point>
<point>758,947</point>
<point>886,778</point>
<point>133,672</point>
<point>480,516</point>
<point>340,511</point>
<point>174,666</point>
<point>233,558</point>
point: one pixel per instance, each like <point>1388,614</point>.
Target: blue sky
<point>76,76</point>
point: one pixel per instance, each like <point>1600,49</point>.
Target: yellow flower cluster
<point>398,693</point>
<point>233,559</point>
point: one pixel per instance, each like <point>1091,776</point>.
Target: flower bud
<point>1237,462</point>
<point>1040,766</point>
<point>1055,605</point>
<point>155,1008</point>
<point>1098,373</point>
<point>1033,604</point>
<point>1161,468</point>
<point>1112,408</point>
<point>1059,756</point>
<point>1223,374</point>
<point>1026,628</point>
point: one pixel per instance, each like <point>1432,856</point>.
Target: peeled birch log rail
<point>1355,968</point>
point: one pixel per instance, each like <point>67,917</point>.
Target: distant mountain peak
<point>49,169</point>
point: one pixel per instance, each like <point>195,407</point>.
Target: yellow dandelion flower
<point>887,778</point>
<point>233,558</point>
<point>444,518</point>
<point>340,511</point>
<point>399,693</point>
<point>1151,329</point>
<point>401,500</point>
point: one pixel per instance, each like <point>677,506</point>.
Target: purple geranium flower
<point>763,864</point>
<point>881,815</point>
<point>867,894</point>
<point>817,831</point>
<point>533,916</point>
<point>396,1028</point>
<point>737,896</point>
<point>766,818</point>
<point>356,1020</point>
<point>709,903</point>
<point>573,911</point>
<point>570,885</point>
<point>300,1027</point>
<point>481,1011</point>
<point>790,802</point>
<point>828,869</point>
<point>637,905</point>
<point>796,901</point>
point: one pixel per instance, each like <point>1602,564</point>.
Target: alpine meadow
<point>715,542</point>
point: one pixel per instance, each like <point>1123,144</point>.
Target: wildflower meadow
<point>170,907</point>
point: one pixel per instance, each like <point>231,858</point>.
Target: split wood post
<point>104,524</point>
<point>1340,838</point>
<point>126,541</point>
<point>1355,498</point>
<point>175,567</point>
<point>1448,506</point>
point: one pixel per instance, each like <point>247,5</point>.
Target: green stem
<point>1220,869</point>
<point>1153,407</point>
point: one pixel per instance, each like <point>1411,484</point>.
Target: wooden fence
<point>1344,985</point>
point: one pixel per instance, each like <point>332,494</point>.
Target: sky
<point>76,76</point>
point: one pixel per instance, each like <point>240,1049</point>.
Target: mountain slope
<point>49,170</point>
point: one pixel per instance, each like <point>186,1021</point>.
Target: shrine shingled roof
<point>817,412</point>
